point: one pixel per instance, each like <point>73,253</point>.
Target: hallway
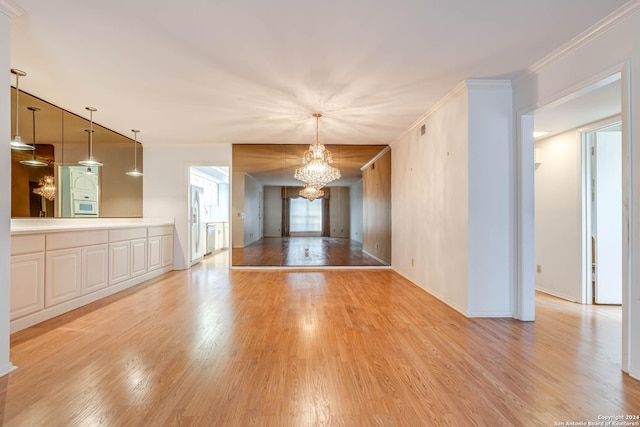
<point>208,346</point>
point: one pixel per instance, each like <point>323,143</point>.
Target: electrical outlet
<point>539,268</point>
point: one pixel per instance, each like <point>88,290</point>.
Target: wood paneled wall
<point>376,193</point>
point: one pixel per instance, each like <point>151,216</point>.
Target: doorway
<point>603,225</point>
<point>208,211</point>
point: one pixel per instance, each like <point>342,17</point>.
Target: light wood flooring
<point>212,347</point>
<point>303,252</point>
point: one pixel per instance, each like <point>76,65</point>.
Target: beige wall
<point>376,190</point>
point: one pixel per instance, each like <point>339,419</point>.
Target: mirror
<point>273,226</point>
<point>62,140</point>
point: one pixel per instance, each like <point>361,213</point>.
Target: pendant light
<point>90,161</point>
<point>135,171</point>
<point>16,142</point>
<point>33,161</point>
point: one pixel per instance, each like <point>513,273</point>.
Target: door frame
<point>524,221</point>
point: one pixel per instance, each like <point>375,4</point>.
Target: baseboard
<point>556,294</point>
<point>56,310</point>
<point>7,368</point>
<point>635,374</point>
<point>483,314</point>
<point>434,294</point>
<point>381,261</point>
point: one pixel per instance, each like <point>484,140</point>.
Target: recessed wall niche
<point>62,141</point>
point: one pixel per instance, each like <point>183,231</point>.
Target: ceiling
<point>251,71</point>
<point>596,102</point>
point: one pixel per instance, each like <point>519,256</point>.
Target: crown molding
<point>460,87</point>
<point>11,8</point>
<point>488,84</point>
<point>602,26</point>
<point>377,156</point>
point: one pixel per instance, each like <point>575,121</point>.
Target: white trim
<point>51,312</point>
<point>491,315</point>
<point>375,257</point>
<point>488,84</point>
<point>7,368</point>
<point>434,294</point>
<point>634,374</point>
<point>377,156</point>
<point>294,268</point>
<point>557,294</point>
<point>11,8</point>
<point>437,106</point>
<point>610,21</point>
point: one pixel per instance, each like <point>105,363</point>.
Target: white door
<point>608,217</point>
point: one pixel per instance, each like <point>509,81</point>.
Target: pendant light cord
<point>90,134</point>
<point>17,102</point>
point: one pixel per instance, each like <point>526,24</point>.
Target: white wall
<point>252,189</point>
<point>611,46</point>
<point>5,194</point>
<point>558,216</point>
<point>429,183</point>
<point>272,211</point>
<point>355,209</point>
<point>339,212</point>
<point>166,185</point>
<point>490,198</point>
<point>221,212</point>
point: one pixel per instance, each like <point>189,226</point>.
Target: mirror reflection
<point>273,225</point>
<point>62,187</point>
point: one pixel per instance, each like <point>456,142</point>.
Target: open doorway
<point>578,234</point>
<point>208,211</point>
<point>603,227</point>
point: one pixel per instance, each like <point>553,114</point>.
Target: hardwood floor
<point>303,252</point>
<point>211,347</point>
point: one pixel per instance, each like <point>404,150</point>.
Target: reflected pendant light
<point>33,161</point>
<point>311,193</point>
<point>135,171</point>
<point>16,142</point>
<point>90,161</point>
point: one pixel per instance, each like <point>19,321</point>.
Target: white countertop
<point>47,225</point>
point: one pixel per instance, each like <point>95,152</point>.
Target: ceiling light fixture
<point>311,193</point>
<point>90,161</point>
<point>135,171</point>
<point>33,161</point>
<point>315,170</point>
<point>16,142</point>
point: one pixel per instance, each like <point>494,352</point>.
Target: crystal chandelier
<point>315,170</point>
<point>47,187</point>
<point>311,193</point>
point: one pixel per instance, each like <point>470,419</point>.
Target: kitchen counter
<point>49,225</point>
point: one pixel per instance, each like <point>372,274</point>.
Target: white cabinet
<point>138,257</point>
<point>167,250</point>
<point>63,277</point>
<point>27,284</point>
<point>119,261</point>
<point>155,253</point>
<point>95,271</point>
<point>160,247</point>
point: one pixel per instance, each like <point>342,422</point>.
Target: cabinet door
<point>155,252</point>
<point>27,284</point>
<point>167,250</point>
<point>119,258</point>
<point>63,276</point>
<point>138,257</point>
<point>95,261</point>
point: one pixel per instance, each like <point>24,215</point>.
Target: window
<point>306,216</point>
